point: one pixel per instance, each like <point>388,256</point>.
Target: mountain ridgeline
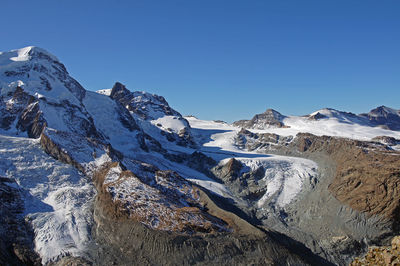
<point>118,177</point>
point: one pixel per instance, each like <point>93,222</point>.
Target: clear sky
<point>223,59</point>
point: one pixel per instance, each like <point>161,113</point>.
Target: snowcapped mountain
<point>120,177</point>
<point>328,122</point>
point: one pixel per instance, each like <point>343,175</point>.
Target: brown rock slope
<point>367,174</point>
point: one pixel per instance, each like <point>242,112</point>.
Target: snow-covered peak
<point>38,73</point>
<point>383,111</point>
<point>25,54</point>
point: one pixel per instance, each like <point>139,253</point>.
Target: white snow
<point>18,55</point>
<point>331,127</point>
<point>169,123</point>
<point>106,92</point>
<point>57,197</point>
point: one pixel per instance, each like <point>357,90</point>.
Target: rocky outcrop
<point>260,141</point>
<point>270,118</point>
<point>58,153</point>
<point>385,117</point>
<point>22,110</point>
<point>161,200</point>
<point>141,103</point>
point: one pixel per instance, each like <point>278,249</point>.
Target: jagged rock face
<point>146,105</point>
<point>269,118</point>
<point>384,116</point>
<point>20,112</point>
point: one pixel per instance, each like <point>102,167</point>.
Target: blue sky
<point>223,59</point>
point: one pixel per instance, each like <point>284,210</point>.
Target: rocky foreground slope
<point>386,255</point>
<point>120,177</point>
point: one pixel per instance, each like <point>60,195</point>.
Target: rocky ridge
<point>382,117</point>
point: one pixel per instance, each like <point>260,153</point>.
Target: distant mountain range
<point>116,177</point>
<point>382,116</point>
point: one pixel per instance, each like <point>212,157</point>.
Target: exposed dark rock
<point>384,116</point>
<point>269,118</point>
<point>51,148</point>
<point>317,116</point>
<point>32,121</point>
<point>16,245</point>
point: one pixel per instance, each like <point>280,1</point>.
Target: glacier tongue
<point>58,199</point>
